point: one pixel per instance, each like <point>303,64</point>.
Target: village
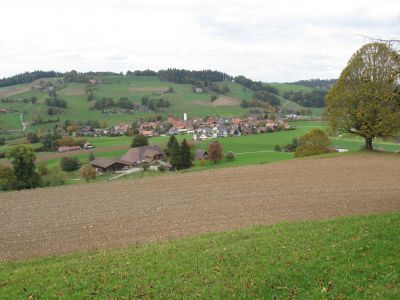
<point>152,156</point>
<point>211,127</point>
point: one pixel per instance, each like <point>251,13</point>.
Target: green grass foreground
<point>348,258</point>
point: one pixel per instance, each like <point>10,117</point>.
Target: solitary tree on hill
<point>366,98</point>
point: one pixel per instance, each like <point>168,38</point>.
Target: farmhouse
<point>200,154</point>
<point>109,165</point>
<point>68,149</point>
<point>143,154</point>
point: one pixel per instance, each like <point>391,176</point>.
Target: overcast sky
<point>265,40</point>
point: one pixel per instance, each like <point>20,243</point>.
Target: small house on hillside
<point>103,165</point>
<point>200,154</point>
<point>143,154</point>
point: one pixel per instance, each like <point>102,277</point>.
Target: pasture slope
<point>182,100</point>
<point>59,220</point>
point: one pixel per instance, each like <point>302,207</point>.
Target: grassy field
<point>347,258</point>
<point>249,150</point>
<point>183,100</point>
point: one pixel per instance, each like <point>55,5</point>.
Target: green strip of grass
<point>349,258</point>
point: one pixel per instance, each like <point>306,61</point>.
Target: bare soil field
<point>13,90</point>
<point>226,101</point>
<point>221,101</point>
<point>59,220</point>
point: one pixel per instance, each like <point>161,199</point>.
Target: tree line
<point>255,85</point>
<point>320,84</point>
<point>314,98</point>
<point>28,77</point>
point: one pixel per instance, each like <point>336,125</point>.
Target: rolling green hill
<point>133,87</point>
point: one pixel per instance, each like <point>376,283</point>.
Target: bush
<point>70,164</point>
<point>55,179</point>
<point>145,166</point>
<point>230,155</point>
<point>2,141</point>
<point>43,169</point>
<point>7,178</point>
<point>278,148</point>
<point>313,143</point>
<point>88,173</point>
<point>307,150</point>
<point>202,162</point>
<point>91,156</point>
<point>161,168</point>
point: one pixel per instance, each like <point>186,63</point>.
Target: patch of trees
<point>267,97</point>
<point>32,138</point>
<point>154,104</point>
<point>180,155</point>
<point>23,174</point>
<point>308,99</point>
<point>125,103</point>
<point>255,85</point>
<point>104,103</point>
<point>262,99</point>
<point>197,78</point>
<point>139,140</point>
<point>56,102</point>
<point>69,164</point>
<point>219,88</point>
<point>321,84</point>
<point>141,73</point>
<point>50,142</point>
<point>74,76</point>
<point>28,77</point>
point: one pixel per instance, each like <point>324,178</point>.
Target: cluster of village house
<point>210,128</point>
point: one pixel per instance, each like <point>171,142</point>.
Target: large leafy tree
<point>365,100</point>
<point>23,161</point>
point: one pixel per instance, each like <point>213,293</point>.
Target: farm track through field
<point>59,220</point>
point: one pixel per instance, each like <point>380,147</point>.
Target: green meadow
<point>133,87</point>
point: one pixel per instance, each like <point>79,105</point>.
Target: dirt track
<point>102,215</point>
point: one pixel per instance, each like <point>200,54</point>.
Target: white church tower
<point>185,117</point>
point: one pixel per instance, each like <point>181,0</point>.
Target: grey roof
<point>107,162</point>
<point>139,154</point>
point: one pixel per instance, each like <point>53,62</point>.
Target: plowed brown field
<point>103,215</point>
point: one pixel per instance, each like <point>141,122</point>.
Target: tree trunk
<point>368,144</point>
